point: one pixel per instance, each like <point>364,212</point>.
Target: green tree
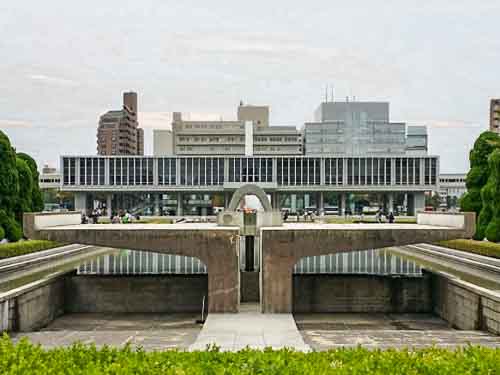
<point>433,200</point>
<point>24,199</point>
<point>36,194</point>
<point>491,199</point>
<point>476,179</point>
<point>9,179</point>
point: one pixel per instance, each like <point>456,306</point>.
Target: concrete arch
<point>249,189</point>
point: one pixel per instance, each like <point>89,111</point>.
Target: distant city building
<point>451,185</point>
<point>163,143</point>
<point>360,128</point>
<point>118,132</point>
<point>49,178</point>
<point>249,135</point>
<point>495,115</point>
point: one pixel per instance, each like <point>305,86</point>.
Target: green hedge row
<point>25,247</point>
<point>490,249</point>
<point>25,358</point>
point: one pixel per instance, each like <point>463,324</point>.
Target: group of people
<point>121,218</point>
<point>380,217</point>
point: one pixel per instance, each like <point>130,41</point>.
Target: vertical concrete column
<point>410,204</point>
<point>276,275</point>
<point>81,202</point>
<point>224,277</point>
<point>419,201</point>
<point>227,198</point>
<point>275,201</point>
<point>321,202</point>
<point>293,202</point>
<point>156,210</point>
<point>179,204</point>
<point>342,205</point>
<point>109,205</point>
<point>391,202</point>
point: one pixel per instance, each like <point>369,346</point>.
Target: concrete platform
<point>386,331</point>
<point>148,331</point>
<point>250,328</point>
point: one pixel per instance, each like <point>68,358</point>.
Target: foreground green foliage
<point>478,247</point>
<point>26,359</point>
<point>25,247</point>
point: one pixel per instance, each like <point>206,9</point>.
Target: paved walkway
<point>384,331</point>
<point>148,331</point>
<point>250,328</point>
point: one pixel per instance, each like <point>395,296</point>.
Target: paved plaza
<point>385,331</point>
<point>149,331</point>
<point>250,328</point>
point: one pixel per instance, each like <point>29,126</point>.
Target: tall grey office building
<point>361,128</point>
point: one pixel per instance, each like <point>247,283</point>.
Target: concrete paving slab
<point>250,328</point>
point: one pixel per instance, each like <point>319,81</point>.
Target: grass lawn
<point>25,247</point>
<point>490,249</point>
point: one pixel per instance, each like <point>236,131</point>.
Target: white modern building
<point>451,185</point>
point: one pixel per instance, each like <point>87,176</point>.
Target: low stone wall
<point>136,294</point>
<point>360,294</point>
<point>249,282</point>
<point>32,307</point>
<point>464,305</point>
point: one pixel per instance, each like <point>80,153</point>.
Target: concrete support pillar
<point>179,204</point>
<point>342,205</point>
<point>109,205</point>
<point>275,201</point>
<point>419,201</point>
<point>410,205</point>
<point>156,210</point>
<point>321,202</point>
<point>391,202</point>
<point>81,202</point>
<point>227,199</point>
<point>293,203</point>
<point>307,200</point>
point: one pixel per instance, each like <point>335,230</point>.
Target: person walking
<point>391,217</point>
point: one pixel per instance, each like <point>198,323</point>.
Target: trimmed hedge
<point>25,247</point>
<point>490,249</point>
<point>25,358</point>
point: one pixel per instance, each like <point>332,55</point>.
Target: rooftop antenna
<point>332,94</point>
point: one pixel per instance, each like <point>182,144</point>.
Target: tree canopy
<point>19,189</point>
<point>480,183</point>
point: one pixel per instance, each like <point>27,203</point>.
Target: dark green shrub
<point>478,247</point>
<point>13,231</point>
<point>2,233</point>
<point>25,247</point>
<point>25,358</point>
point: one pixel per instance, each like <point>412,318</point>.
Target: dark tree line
<point>19,190</point>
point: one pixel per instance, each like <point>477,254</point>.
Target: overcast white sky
<point>63,63</point>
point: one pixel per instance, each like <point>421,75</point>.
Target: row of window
<point>289,171</point>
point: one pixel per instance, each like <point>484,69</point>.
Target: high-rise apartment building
<point>495,115</point>
<point>361,128</point>
<point>250,134</point>
<point>118,132</point>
